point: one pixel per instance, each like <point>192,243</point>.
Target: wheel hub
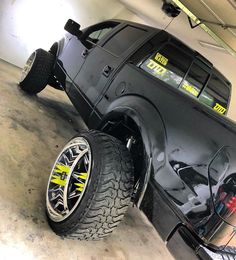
<point>28,66</point>
<point>68,179</point>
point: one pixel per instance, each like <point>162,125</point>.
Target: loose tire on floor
<point>37,71</point>
<point>90,187</point>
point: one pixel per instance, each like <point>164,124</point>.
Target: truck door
<point>104,59</point>
<point>70,59</point>
<point>75,50</point>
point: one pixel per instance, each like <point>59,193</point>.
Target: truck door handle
<point>84,53</point>
<point>107,70</point>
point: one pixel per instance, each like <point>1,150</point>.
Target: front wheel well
<point>125,129</point>
<point>54,48</point>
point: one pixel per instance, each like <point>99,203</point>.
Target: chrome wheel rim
<point>28,66</point>
<point>68,179</point>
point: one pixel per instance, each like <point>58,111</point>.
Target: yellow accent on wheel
<point>83,175</point>
<point>79,189</point>
<point>79,184</point>
<point>57,180</point>
<point>59,168</point>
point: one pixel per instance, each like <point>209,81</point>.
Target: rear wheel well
<point>125,129</point>
<point>53,82</point>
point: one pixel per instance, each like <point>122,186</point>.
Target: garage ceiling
<point>221,12</point>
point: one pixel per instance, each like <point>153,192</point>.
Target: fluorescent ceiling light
<point>212,46</point>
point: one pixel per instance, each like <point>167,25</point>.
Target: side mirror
<point>73,28</point>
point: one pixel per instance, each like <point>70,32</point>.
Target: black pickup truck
<point>161,138</point>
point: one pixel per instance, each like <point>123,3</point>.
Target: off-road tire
<point>107,195</point>
<point>38,76</point>
<point>228,252</point>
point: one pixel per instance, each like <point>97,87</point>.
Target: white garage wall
<point>29,24</point>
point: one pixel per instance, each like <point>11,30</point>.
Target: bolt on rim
<point>28,66</point>
<point>68,179</point>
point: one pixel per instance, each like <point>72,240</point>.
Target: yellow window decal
<point>157,69</point>
<point>190,89</point>
<point>161,59</point>
<point>219,108</point>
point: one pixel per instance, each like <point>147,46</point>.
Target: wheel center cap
<point>63,176</point>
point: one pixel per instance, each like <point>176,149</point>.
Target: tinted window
<point>216,95</point>
<point>121,41</point>
<point>95,33</point>
<point>99,34</point>
<point>169,64</point>
<point>194,81</point>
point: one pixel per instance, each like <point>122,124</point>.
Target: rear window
<point>216,95</point>
<point>194,81</point>
<point>169,64</point>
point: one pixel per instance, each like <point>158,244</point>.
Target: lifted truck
<point>161,137</point>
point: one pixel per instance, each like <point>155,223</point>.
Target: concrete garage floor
<point>33,129</point>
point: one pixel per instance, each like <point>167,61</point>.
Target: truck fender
<point>152,129</point>
<point>57,47</point>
